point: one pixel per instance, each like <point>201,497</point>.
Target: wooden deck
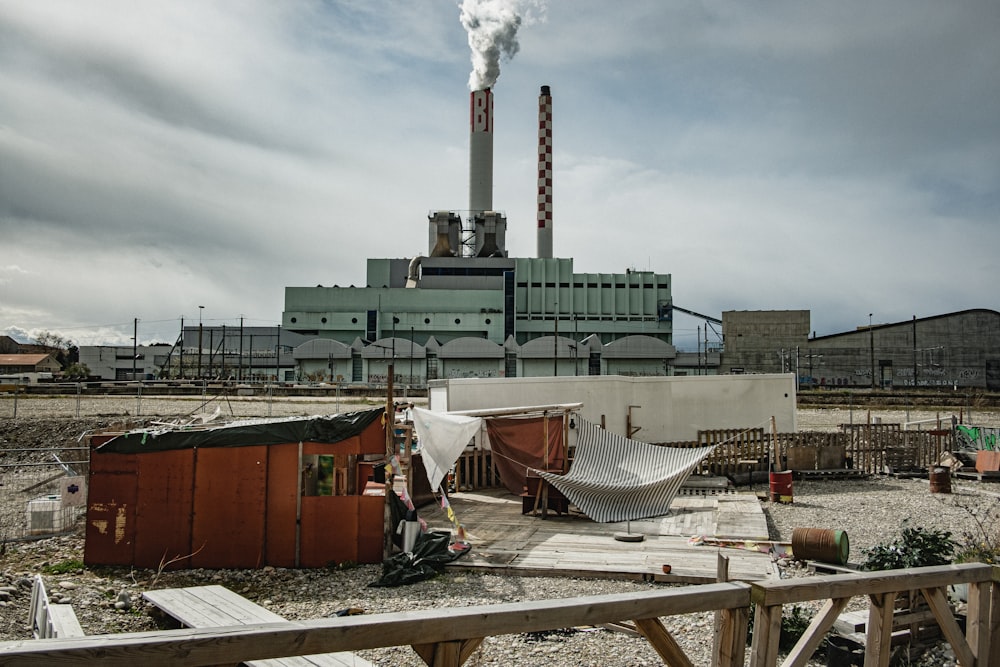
<point>506,541</point>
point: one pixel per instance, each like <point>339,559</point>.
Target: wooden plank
<point>63,621</point>
<point>217,606</point>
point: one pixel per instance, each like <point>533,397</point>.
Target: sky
<point>187,159</point>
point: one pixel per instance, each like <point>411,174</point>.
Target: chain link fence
<point>39,498</point>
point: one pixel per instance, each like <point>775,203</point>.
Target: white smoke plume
<point>492,26</point>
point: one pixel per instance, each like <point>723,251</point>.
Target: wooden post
<point>724,641</point>
<point>766,634</point>
<point>879,640</point>
<point>390,447</point>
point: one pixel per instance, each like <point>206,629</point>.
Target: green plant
<point>915,547</point>
<point>983,545</point>
<point>64,567</point>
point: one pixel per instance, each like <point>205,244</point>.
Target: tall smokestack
<point>480,152</point>
<point>545,173</point>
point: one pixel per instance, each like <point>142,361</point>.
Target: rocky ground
<point>108,600</point>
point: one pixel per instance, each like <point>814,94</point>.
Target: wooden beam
<point>766,633</point>
<point>520,411</point>
<point>811,638</point>
<point>733,644</point>
<point>721,574</point>
<point>946,621</point>
<point>448,654</point>
<point>664,643</point>
<point>788,591</point>
<point>879,641</point>
<point>977,624</point>
<point>993,656</point>
<point>208,646</point>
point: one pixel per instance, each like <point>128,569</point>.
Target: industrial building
<point>960,350</point>
<point>468,309</point>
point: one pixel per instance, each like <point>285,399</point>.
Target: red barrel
<point>781,487</point>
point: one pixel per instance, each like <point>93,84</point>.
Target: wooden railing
<point>448,637</point>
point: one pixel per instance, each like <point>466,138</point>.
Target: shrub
<point>915,547</point>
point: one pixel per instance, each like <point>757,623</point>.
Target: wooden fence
<point>868,448</point>
<point>449,637</point>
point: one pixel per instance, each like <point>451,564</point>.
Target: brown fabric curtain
<point>519,444</point>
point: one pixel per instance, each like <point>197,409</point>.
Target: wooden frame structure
<point>448,637</point>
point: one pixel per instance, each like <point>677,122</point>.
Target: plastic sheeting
<point>325,429</point>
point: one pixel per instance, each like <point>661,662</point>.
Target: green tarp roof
<point>245,433</point>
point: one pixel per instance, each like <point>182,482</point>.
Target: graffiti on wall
<point>977,437</point>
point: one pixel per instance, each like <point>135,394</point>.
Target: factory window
<point>323,320</point>
<point>294,320</point>
<point>427,320</point>
<point>458,321</point>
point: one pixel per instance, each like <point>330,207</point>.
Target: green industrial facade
<point>498,299</point>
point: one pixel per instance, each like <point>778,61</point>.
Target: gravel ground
<point>108,600</point>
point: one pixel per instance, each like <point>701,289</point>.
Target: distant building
<point>28,363</point>
<point>111,362</point>
<point>959,350</point>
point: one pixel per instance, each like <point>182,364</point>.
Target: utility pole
<point>914,351</point>
<point>181,362</point>
<point>135,346</point>
<point>239,374</point>
<point>871,340</point>
<point>200,310</point>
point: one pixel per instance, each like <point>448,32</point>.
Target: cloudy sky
<point>160,156</point>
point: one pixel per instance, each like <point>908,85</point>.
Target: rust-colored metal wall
<point>229,507</point>
<point>163,509</point>
<point>230,488</point>
<point>111,500</point>
<point>282,478</point>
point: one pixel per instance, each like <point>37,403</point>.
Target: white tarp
<point>613,478</point>
<point>442,437</point>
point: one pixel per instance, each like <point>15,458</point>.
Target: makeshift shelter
<point>281,492</point>
<point>613,478</point>
<point>609,477</point>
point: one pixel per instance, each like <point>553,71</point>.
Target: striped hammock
<point>613,478</point>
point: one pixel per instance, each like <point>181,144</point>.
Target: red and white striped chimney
<point>545,173</point>
<point>480,152</point>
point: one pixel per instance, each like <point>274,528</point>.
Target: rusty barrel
<point>781,487</point>
<point>940,479</point>
<point>821,544</point>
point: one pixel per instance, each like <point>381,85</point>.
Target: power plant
<point>521,315</point>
